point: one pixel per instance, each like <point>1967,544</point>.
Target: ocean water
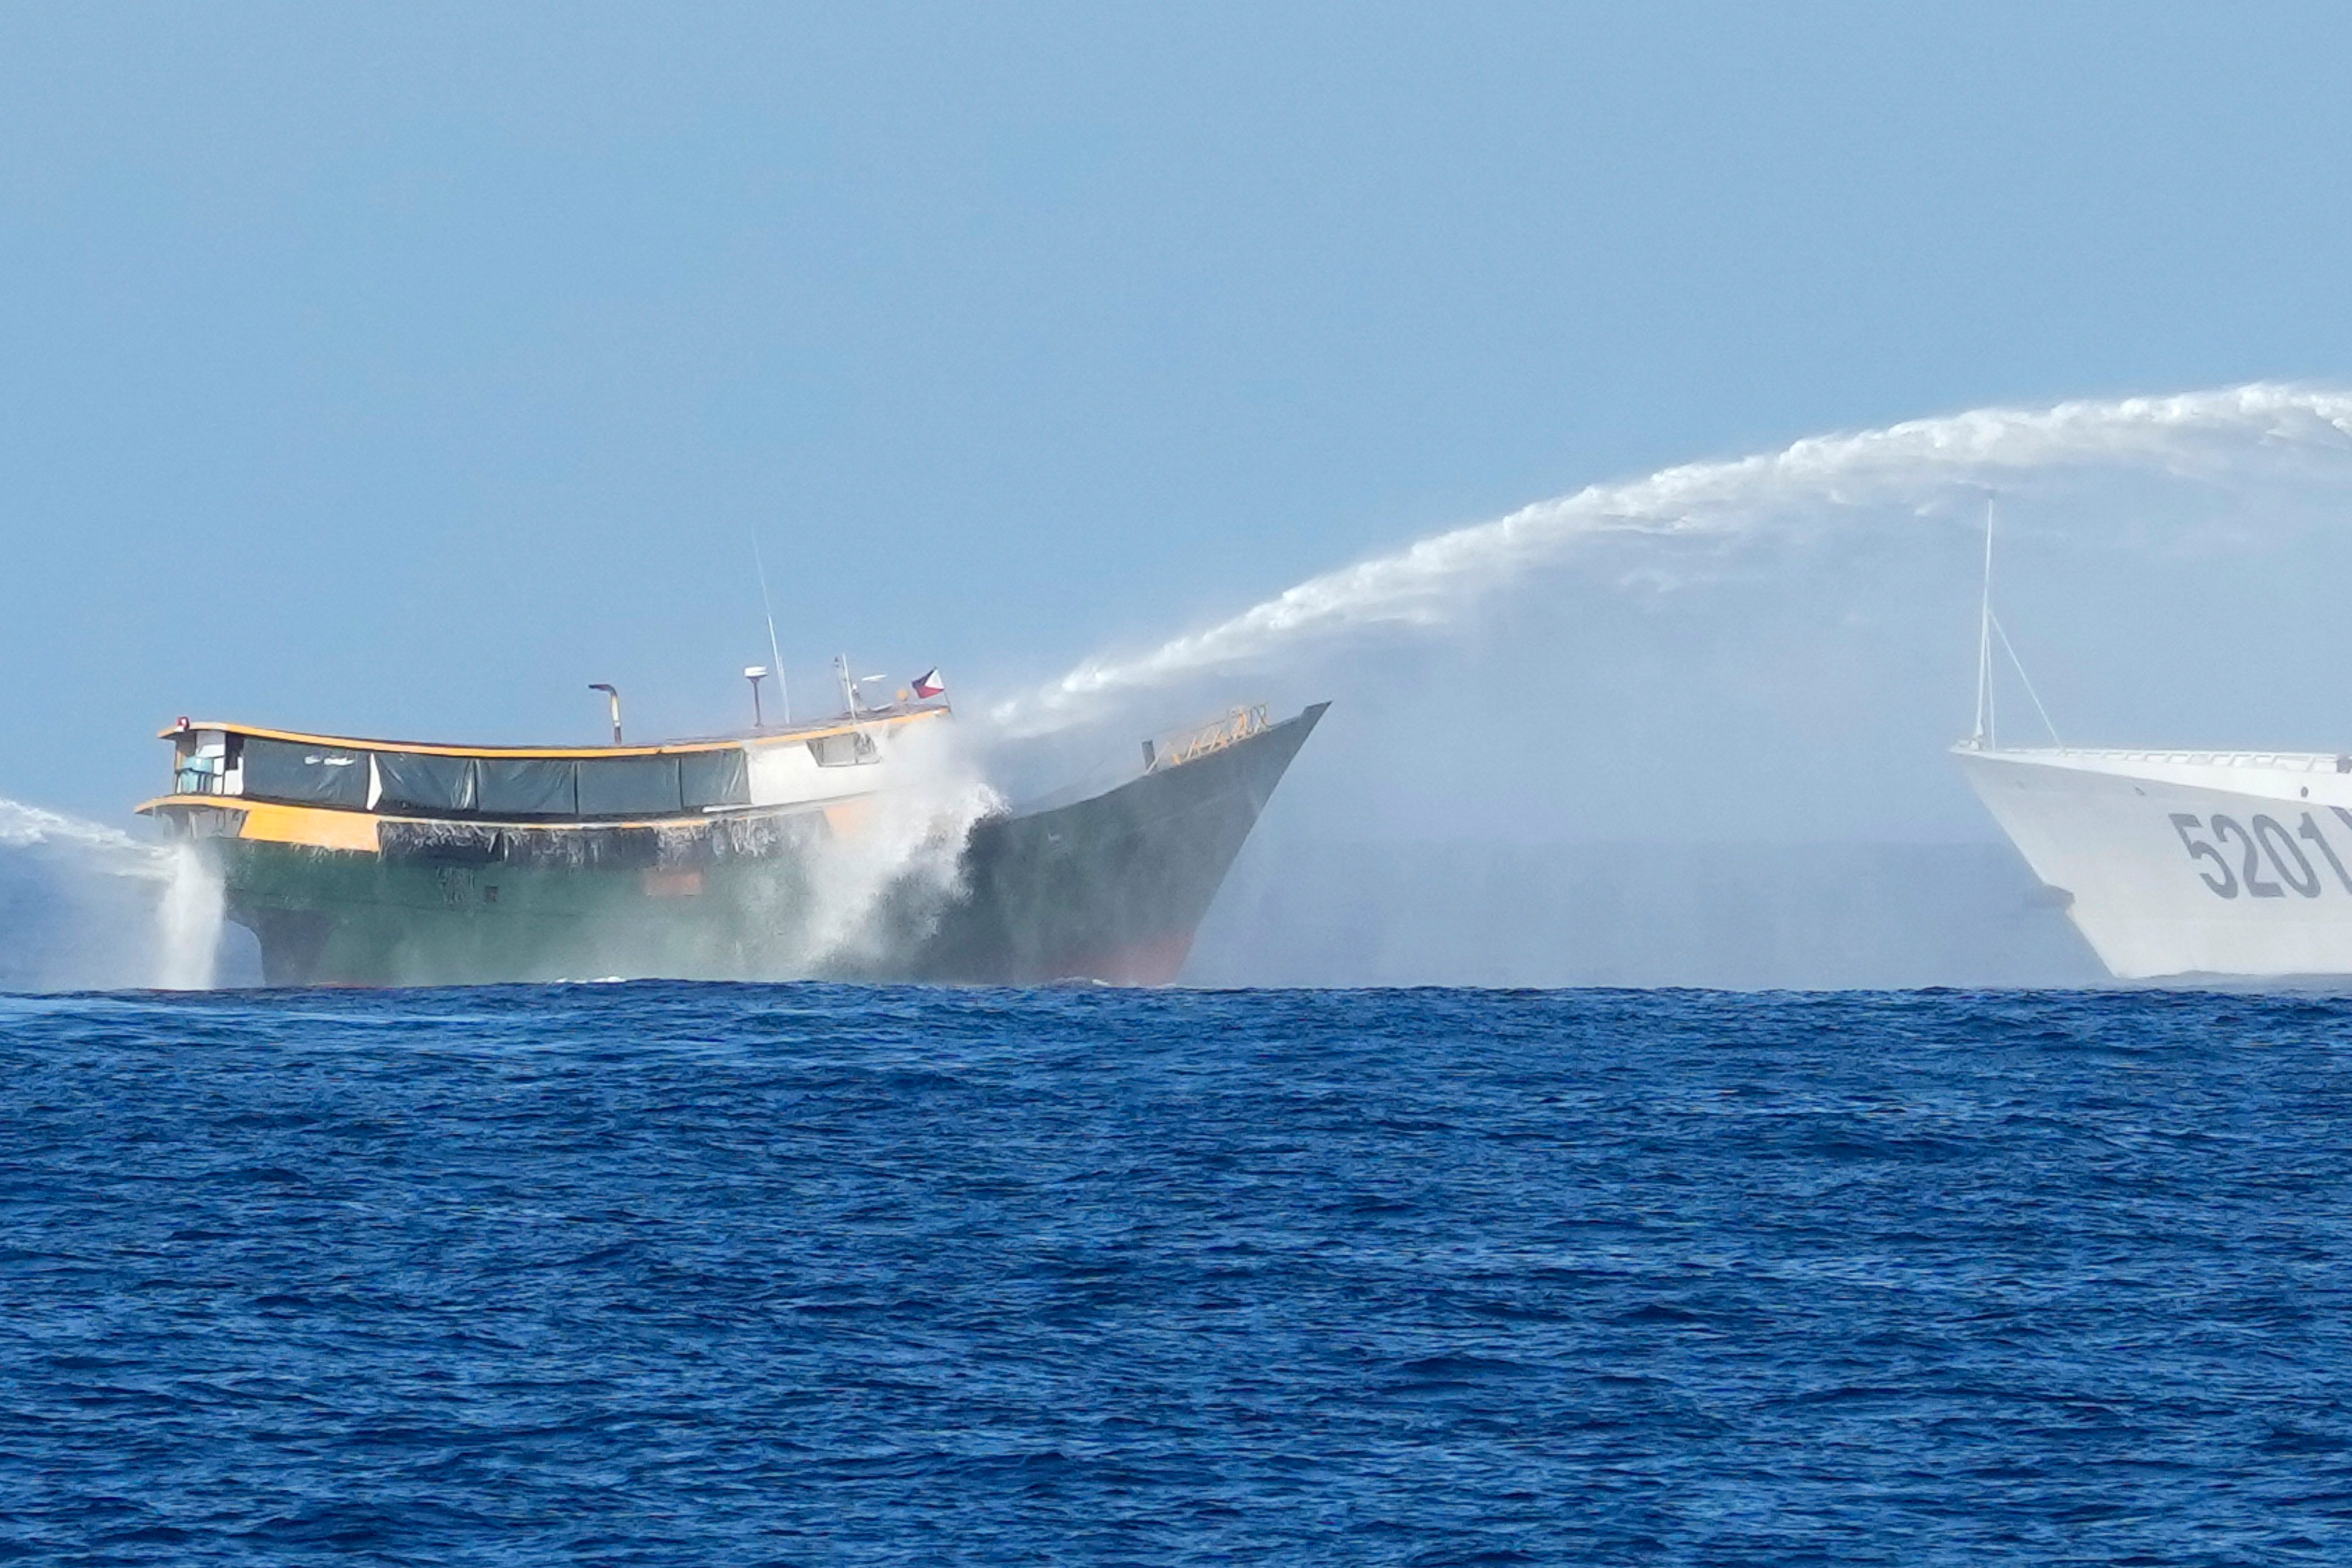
<point>707,1274</point>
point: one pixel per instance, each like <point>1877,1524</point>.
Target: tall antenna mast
<point>775,659</point>
<point>1984,730</point>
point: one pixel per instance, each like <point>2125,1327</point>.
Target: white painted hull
<point>2186,863</point>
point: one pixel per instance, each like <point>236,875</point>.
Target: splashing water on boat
<point>189,922</point>
<point>876,881</point>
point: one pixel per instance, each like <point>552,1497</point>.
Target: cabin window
<point>525,787</point>
<point>844,750</point>
<point>308,775</point>
<point>202,763</point>
<point>629,787</point>
<point>708,779</point>
<point>420,782</point>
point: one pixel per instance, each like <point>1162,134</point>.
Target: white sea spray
<point>112,910</point>
<point>107,850</point>
<point>189,922</point>
<point>872,881</point>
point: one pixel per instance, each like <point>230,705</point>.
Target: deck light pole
<point>755,674</point>
<point>615,693</point>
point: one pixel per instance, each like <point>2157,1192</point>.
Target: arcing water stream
<point>1433,582</point>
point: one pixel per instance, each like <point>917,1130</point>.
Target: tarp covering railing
<point>526,789</point>
<point>420,782</point>
<point>308,775</point>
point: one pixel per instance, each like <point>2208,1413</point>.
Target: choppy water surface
<point>804,1274</point>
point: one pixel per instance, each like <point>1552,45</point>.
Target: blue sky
<point>400,371</point>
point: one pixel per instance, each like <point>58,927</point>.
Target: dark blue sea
<point>710,1274</point>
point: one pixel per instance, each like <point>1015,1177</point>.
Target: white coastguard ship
<point>2181,864</point>
<point>2175,864</point>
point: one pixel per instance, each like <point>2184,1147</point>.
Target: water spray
<point>1430,583</point>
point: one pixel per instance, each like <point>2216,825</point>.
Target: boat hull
<point>1110,888</point>
<point>2186,865</point>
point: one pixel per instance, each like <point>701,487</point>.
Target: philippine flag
<point>929,684</point>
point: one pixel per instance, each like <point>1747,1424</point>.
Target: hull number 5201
<point>2260,856</point>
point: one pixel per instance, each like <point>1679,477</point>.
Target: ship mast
<point>1988,631</point>
<point>775,659</point>
<point>1984,730</point>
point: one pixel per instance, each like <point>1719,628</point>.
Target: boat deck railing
<point>2284,761</point>
<point>1191,745</point>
